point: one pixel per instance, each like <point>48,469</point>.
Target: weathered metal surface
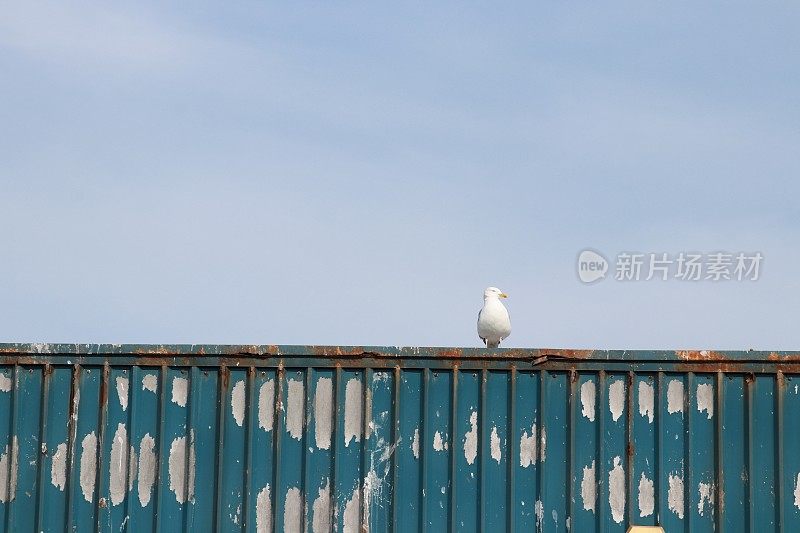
<point>286,438</point>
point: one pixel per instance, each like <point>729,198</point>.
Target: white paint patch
<point>415,444</point>
<point>647,496</point>
<point>588,399</point>
<point>616,399</point>
<point>706,491</point>
<point>293,511</point>
<point>675,397</point>
<point>543,445</point>
<point>323,413</point>
<point>263,511</point>
<point>589,488</point>
<point>179,391</point>
<point>705,399</point>
<point>438,443</point>
<point>133,467</point>
<point>616,491</point>
<point>353,419</point>
<point>237,403</point>
<point>351,522</point>
<point>9,466</point>
<point>495,445</point>
<point>372,491</point>
<point>118,466</point>
<point>150,382</point>
<point>797,491</point>
<point>527,448</point>
<point>646,400</point>
<point>179,468</point>
<point>675,493</point>
<point>76,401</point>
<point>58,468</point>
<point>5,383</point>
<point>539,510</point>
<point>266,405</point>
<point>147,468</point>
<point>295,408</point>
<point>471,439</point>
<point>321,521</point>
<point>88,466</point>
<point>122,392</point>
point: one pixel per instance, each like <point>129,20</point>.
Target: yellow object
<point>646,529</point>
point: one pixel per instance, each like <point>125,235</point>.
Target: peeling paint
<point>616,491</point>
<point>706,491</point>
<point>372,492</point>
<point>675,493</point>
<point>88,466</point>
<point>179,468</point>
<point>415,444</point>
<point>351,522</point>
<point>539,510</point>
<point>263,511</point>
<point>705,399</point>
<point>471,439</point>
<point>527,448</point>
<point>647,495</point>
<point>588,398</point>
<point>323,413</point>
<point>122,392</point>
<point>797,491</point>
<point>353,420</point>
<point>266,405</point>
<point>438,444</point>
<point>589,488</point>
<point>321,521</point>
<point>295,408</point>
<point>293,511</point>
<point>5,383</point>
<point>675,397</point>
<point>9,466</point>
<point>147,468</point>
<point>495,445</point>
<point>646,400</point>
<point>150,383</point>
<point>543,444</point>
<point>179,391</point>
<point>133,467</point>
<point>237,403</point>
<point>616,399</point>
<point>58,468</point>
<point>117,468</point>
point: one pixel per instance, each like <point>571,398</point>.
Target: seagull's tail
<point>490,344</point>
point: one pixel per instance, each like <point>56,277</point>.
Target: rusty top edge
<point>267,350</point>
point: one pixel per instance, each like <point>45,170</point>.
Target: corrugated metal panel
<point>229,438</point>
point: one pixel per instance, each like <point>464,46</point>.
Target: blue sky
<point>359,173</point>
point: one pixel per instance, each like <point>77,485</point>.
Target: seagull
<point>494,323</point>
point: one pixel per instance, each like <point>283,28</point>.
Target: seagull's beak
<point>503,295</point>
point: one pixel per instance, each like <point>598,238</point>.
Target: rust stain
<point>699,355</point>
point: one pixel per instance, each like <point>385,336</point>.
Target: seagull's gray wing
<point>479,320</point>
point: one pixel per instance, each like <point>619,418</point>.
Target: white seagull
<point>494,323</point>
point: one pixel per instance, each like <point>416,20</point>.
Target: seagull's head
<point>494,292</point>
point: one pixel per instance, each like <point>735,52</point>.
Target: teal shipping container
<point>355,439</point>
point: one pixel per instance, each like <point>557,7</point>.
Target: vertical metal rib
<point>572,406</point>
<point>780,386</point>
<point>193,400</point>
<point>222,399</point>
<point>307,489</point>
<point>687,451</point>
<point>423,440</point>
<point>366,410</point>
<point>453,441</point>
<point>602,489</point>
<point>719,506</point>
<point>133,395</point>
<point>14,401</point>
<point>750,384</point>
<point>482,453</point>
<point>277,508</point>
<point>41,457</point>
<point>99,499</point>
<point>249,432</point>
<point>629,448</point>
<point>659,466</point>
<point>512,451</point>
<point>337,439</point>
<point>162,428</point>
<point>395,442</point>
<point>73,436</point>
<point>540,472</point>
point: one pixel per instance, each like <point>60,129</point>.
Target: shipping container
<point>296,438</point>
